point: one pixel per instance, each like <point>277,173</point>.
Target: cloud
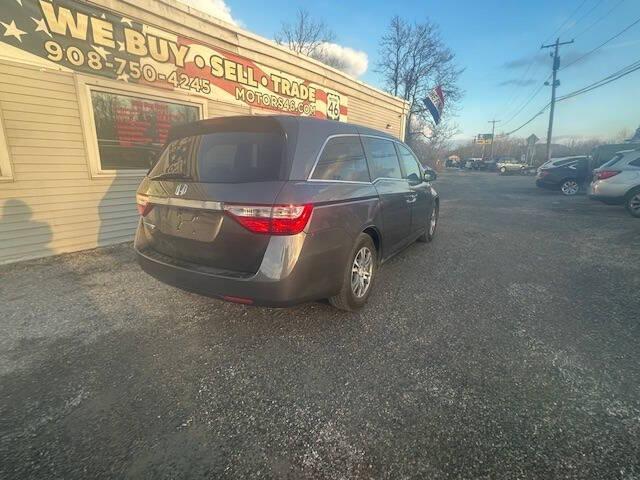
<point>539,58</point>
<point>517,82</point>
<point>346,59</point>
<point>215,8</point>
<point>545,60</point>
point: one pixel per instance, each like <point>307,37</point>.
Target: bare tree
<point>304,35</point>
<point>323,56</point>
<point>393,48</point>
<point>622,135</point>
<point>414,61</point>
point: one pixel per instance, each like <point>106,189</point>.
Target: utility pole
<point>493,136</point>
<point>554,84</point>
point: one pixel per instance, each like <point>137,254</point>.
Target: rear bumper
<point>607,200</point>
<point>295,269</point>
<point>607,191</point>
<point>542,183</point>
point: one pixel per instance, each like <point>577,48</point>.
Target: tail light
<point>144,207</point>
<point>604,174</point>
<point>271,220</point>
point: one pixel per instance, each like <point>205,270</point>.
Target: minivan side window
<point>382,158</point>
<point>635,163</point>
<point>412,170</point>
<point>342,159</point>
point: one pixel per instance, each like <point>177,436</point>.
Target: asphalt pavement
<point>507,348</point>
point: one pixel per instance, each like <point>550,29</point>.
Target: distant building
<point>636,137</point>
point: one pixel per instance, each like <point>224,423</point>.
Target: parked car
<point>478,164</point>
<point>279,210</point>
<point>505,165</point>
<point>603,153</point>
<point>490,165</point>
<point>568,174</point>
<point>618,181</point>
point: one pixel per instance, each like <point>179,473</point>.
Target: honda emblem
<point>181,189</point>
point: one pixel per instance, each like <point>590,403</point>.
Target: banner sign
<point>435,103</point>
<point>95,41</point>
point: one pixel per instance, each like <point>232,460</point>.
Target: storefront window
<point>132,130</point>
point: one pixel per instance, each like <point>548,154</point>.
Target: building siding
<point>53,205</point>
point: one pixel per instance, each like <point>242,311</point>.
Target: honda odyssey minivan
<point>280,210</point>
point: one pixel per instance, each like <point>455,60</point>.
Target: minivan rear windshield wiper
<point>171,176</point>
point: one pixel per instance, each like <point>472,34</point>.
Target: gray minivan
<point>279,210</point>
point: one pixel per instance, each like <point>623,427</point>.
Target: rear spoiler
<point>262,124</point>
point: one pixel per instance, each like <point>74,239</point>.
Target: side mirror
<point>430,176</point>
<point>413,179</point>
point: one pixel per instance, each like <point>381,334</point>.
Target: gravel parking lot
<point>507,348</point>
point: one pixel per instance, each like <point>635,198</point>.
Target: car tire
<point>632,202</point>
<point>570,187</point>
<point>352,298</point>
<point>432,225</point>
<point>503,170</point>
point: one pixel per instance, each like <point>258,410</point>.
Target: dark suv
<point>279,210</point>
<point>568,174</point>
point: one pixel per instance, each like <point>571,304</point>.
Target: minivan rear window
<point>223,157</point>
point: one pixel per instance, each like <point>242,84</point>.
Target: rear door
<point>579,169</point>
<point>395,195</point>
<point>228,163</point>
<point>412,172</point>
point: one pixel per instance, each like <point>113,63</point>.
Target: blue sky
<point>491,39</point>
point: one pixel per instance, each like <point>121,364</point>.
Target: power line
<point>588,88</point>
<point>597,4</point>
<point>582,32</point>
<point>513,96</point>
<point>602,44</point>
<point>623,72</point>
<point>530,120</point>
<point>566,21</point>
<point>527,102</point>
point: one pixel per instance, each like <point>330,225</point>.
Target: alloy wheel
<point>433,221</point>
<point>570,187</point>
<point>361,272</point>
<point>634,204</point>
